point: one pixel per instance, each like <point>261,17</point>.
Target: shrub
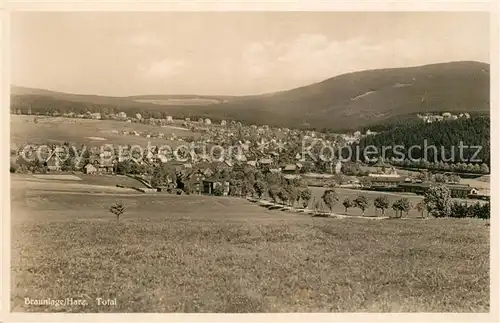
<point>476,210</point>
<point>361,202</point>
<point>420,207</point>
<point>293,193</point>
<point>485,211</point>
<point>382,203</point>
<point>318,205</point>
<point>305,196</point>
<point>247,188</point>
<point>330,198</point>
<point>402,205</point>
<point>218,190</point>
<point>438,201</point>
<point>480,211</point>
<point>260,188</point>
<point>283,195</point>
<point>347,203</point>
<point>273,192</point>
<point>117,209</point>
<point>459,210</point>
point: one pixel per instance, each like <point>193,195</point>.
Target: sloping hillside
<point>370,97</point>
<point>347,101</point>
<point>17,91</point>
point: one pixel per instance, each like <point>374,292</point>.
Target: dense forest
<point>407,120</point>
<point>446,136</point>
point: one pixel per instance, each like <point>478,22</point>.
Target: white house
<point>89,169</point>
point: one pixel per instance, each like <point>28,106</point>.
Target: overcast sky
<point>229,53</point>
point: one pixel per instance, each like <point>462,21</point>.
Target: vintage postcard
<point>265,161</point>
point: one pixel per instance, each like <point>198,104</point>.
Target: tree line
<point>437,202</point>
<point>476,168</point>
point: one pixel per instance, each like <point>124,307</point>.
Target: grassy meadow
<point>207,254</point>
<point>85,131</point>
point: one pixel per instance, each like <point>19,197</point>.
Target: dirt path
<point>279,207</point>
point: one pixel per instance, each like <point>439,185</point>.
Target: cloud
<point>315,57</point>
<point>257,59</point>
<point>161,69</point>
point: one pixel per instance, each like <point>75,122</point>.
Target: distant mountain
<point>369,97</point>
<point>98,99</point>
<point>348,101</point>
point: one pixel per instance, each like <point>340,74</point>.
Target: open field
<point>21,183</point>
<point>63,177</point>
<point>206,254</point>
<point>111,180</point>
<point>85,131</point>
<point>76,178</point>
<point>482,183</point>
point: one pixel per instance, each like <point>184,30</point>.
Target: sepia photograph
<point>249,162</point>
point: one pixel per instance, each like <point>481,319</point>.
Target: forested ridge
<point>447,136</point>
